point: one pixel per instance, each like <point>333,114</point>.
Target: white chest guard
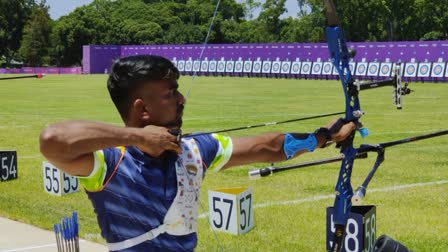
<point>181,218</point>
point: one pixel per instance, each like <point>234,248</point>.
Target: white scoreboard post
<point>230,210</point>
<point>8,165</point>
<point>57,182</point>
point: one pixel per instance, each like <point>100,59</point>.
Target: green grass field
<point>415,214</point>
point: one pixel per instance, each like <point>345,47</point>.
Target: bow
<point>340,57</point>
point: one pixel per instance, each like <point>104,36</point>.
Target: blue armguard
<point>292,145</point>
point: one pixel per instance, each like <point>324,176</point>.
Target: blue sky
<point>63,7</point>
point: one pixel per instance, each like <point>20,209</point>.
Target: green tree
<point>433,19</point>
<point>69,34</point>
<point>270,18</point>
<point>13,15</point>
<point>36,37</point>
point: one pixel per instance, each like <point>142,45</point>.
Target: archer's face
<point>164,103</point>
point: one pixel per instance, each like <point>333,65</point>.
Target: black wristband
<point>324,132</point>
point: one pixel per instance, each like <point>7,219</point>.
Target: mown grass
<point>414,215</point>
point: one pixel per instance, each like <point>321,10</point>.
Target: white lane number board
<point>58,182</point>
<point>230,210</point>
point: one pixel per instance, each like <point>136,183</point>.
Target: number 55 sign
<point>58,182</point>
<point>231,210</point>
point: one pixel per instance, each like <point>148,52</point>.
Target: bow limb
<point>340,57</point>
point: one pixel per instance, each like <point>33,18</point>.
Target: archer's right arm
<point>70,145</point>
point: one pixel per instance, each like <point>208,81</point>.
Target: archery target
<point>317,68</point>
<point>385,69</point>
<point>204,66</point>
<point>266,67</point>
<point>247,67</point>
<point>286,67</point>
<point>221,66</point>
<point>188,65</point>
<point>295,67</point>
<point>196,65</point>
<point>306,68</point>
<point>275,67</point>
<point>374,68</point>
<point>212,66</point>
<point>361,69</point>
<point>424,69</point>
<point>438,69</point>
<point>327,68</point>
<point>352,66</point>
<point>229,66</point>
<point>410,70</point>
<point>256,67</point>
<point>238,66</point>
<point>181,65</point>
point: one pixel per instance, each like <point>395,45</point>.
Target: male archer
<point>143,182</point>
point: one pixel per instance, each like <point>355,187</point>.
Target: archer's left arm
<point>277,147</point>
<point>269,148</point>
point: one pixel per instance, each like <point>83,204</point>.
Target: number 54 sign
<point>8,165</point>
<point>58,182</point>
<point>231,210</point>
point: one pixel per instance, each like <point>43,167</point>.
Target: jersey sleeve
<point>104,163</point>
<point>215,149</point>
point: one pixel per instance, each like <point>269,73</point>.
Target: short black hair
<point>129,72</point>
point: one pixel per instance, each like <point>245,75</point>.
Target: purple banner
<point>227,59</point>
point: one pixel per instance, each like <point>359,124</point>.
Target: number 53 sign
<point>58,182</point>
<point>231,210</point>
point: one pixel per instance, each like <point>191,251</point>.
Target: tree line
<point>29,35</point>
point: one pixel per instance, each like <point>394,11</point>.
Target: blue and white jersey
<point>132,192</point>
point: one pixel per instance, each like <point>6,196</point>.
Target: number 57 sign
<point>231,210</point>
